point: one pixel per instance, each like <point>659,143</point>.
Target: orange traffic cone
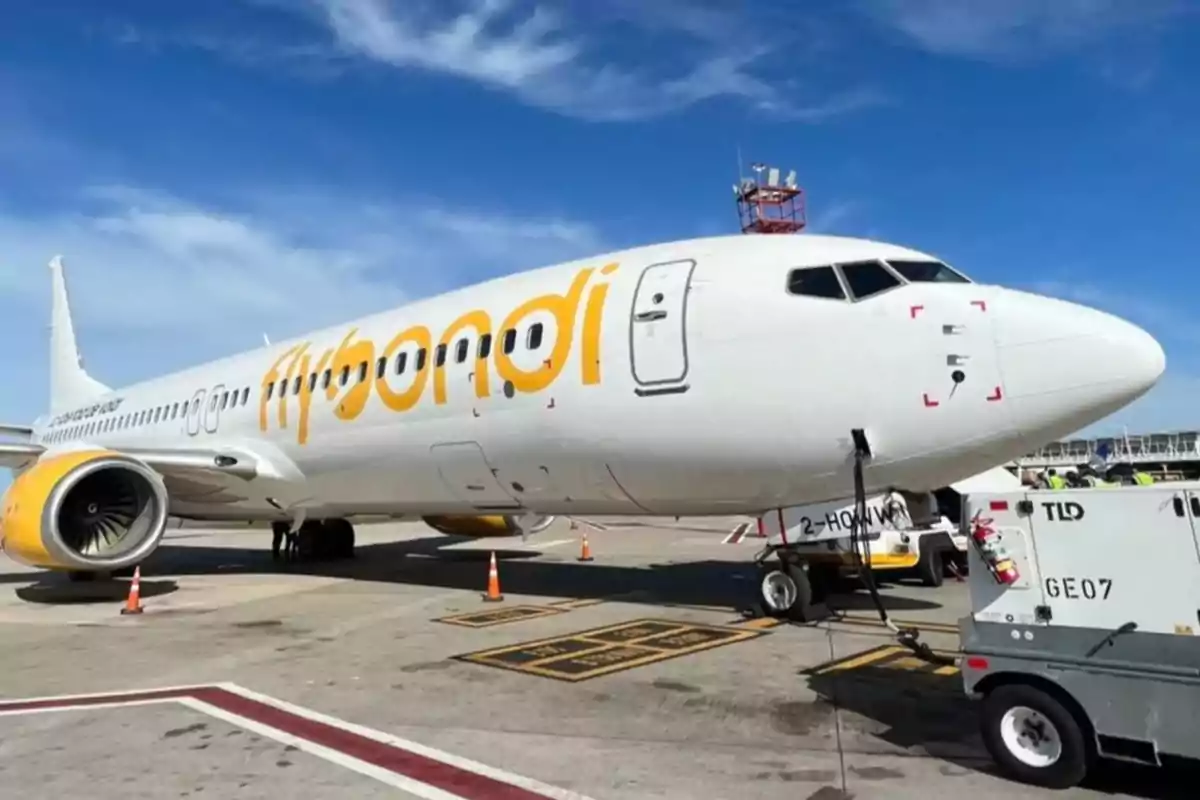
<point>133,603</point>
<point>585,553</point>
<point>493,589</point>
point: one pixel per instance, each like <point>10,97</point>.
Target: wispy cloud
<point>167,282</point>
<point>1017,28</point>
<point>545,58</point>
<point>617,61</point>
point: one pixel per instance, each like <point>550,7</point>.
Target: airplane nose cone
<point>1066,365</point>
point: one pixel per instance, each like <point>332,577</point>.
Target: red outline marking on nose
<point>912,311</point>
<point>929,403</point>
<point>981,303</point>
<point>995,395</point>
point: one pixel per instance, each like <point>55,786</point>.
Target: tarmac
<point>629,676</point>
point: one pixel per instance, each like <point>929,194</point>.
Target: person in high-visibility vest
<point>1055,480</point>
<point>1142,478</point>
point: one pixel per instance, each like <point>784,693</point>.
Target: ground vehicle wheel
<point>825,579</point>
<point>930,568</point>
<point>785,591</point>
<point>1034,737</point>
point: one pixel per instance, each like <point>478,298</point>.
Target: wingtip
<point>56,263</point>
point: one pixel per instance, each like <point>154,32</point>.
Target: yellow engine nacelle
<point>86,510</point>
<point>490,525</point>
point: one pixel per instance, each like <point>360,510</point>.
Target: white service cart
<point>1082,642</point>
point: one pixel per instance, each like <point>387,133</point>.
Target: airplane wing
<point>177,464</point>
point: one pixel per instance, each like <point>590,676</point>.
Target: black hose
<point>862,554</point>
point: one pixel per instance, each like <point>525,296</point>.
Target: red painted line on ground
<point>393,758</point>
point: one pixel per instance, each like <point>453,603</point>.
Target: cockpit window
<point>926,272</point>
<point>866,278</point>
<point>816,282</point>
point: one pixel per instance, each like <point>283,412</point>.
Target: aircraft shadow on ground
<point>931,712</point>
<point>426,562</point>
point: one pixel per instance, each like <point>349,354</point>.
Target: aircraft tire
<point>310,542</point>
<point>339,535</point>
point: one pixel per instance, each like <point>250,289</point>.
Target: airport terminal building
<point>1170,456</point>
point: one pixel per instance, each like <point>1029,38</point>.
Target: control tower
<point>767,206</point>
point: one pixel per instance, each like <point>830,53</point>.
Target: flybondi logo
<point>347,374</point>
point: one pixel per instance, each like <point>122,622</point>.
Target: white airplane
<point>712,376</point>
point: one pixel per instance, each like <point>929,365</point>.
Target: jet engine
<point>490,525</point>
<point>85,511</point>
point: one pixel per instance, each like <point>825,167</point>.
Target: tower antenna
<point>769,205</point>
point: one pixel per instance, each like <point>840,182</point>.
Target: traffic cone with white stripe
<point>493,588</point>
<point>133,603</point>
<point>585,552</point>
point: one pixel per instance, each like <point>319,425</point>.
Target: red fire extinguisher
<point>987,543</point>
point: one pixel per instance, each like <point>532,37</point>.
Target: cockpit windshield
<point>927,272</point>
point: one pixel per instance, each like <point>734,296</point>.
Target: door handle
<point>649,316</point>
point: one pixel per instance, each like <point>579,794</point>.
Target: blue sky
<point>213,171</point>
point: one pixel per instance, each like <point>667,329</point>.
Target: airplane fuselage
<point>680,379</point>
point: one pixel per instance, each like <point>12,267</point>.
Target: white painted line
<point>423,750</point>
<point>66,698</point>
<point>736,535</point>
<point>554,543</point>
<point>16,712</point>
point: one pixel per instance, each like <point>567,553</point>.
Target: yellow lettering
<point>306,392</point>
<point>287,384</point>
<point>483,325</point>
<point>403,401</point>
<point>593,316</point>
<point>269,380</point>
<point>564,309</point>
<point>351,357</point>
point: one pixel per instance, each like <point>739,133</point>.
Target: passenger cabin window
<point>866,278</point>
<point>246,391</point>
<point>421,356</point>
<point>510,340</point>
<point>363,369</point>
<point>381,367</point>
<point>440,358</point>
<point>460,351</point>
<point>485,345</point>
<point>401,362</point>
<point>533,339</point>
<point>816,282</point>
<point>926,272</point>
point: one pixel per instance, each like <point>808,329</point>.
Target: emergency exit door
<point>658,325</point>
